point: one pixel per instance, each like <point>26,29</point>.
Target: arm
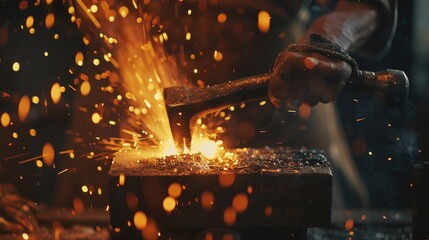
<point>311,77</point>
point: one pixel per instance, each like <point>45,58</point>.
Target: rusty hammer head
<point>185,105</point>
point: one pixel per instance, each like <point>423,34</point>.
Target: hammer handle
<point>390,86</point>
<point>185,105</point>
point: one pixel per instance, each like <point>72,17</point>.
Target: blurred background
<point>38,57</point>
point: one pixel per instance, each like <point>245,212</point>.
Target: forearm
<point>349,25</point>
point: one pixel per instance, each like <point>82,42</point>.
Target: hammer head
<point>185,105</point>
<point>179,115</point>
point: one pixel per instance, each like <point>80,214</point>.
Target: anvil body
<point>282,194</point>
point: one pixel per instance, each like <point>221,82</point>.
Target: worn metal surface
<point>294,185</point>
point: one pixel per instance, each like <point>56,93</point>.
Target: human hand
<point>306,77</point>
<point>16,212</point>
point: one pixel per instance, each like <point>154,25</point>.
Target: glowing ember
<point>264,19</point>
<point>79,58</point>
<point>169,204</point>
<point>16,66</point>
<point>207,200</point>
<point>23,108</point>
<point>84,189</point>
<point>78,205</point>
<point>174,190</point>
<point>49,20</point>
<point>5,119</point>
<point>229,216</point>
<point>85,88</point>
<point>55,93</point>
<point>240,202</point>
<point>32,132</point>
<point>140,220</point>
<point>25,236</point>
<point>226,180</point>
<point>217,55</point>
<point>221,18</point>
<point>268,211</point>
<point>48,154</point>
<point>29,21</point>
<point>121,180</point>
<point>96,118</point>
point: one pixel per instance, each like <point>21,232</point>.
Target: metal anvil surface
<point>279,189</point>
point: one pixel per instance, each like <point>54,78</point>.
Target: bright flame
<point>206,147</point>
<point>144,69</point>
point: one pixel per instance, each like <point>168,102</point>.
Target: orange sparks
<point>348,225</point>
<point>85,88</point>
<point>264,19</point>
<point>140,220</point>
<point>48,154</point>
<point>89,14</point>
<point>56,93</point>
<point>169,204</point>
<point>174,190</point>
<point>49,20</point>
<point>96,118</point>
<point>78,205</point>
<point>29,21</point>
<point>123,11</point>
<point>23,108</point>
<point>121,180</point>
<point>5,119</point>
<point>217,55</point>
<point>84,189</point>
<point>221,18</point>
<point>226,179</point>
<point>16,66</point>
<point>240,202</point>
<point>229,216</point>
<point>207,200</point>
<point>268,211</point>
<point>35,99</point>
<point>79,58</point>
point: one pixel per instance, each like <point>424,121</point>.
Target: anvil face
<point>269,188</point>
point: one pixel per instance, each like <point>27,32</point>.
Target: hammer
<point>185,105</point>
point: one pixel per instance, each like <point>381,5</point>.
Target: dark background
<point>388,181</point>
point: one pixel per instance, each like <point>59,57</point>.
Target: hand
<point>307,78</point>
<point>16,212</point>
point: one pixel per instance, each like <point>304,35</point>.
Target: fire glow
<point>145,68</point>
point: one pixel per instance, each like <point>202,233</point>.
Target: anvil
<point>283,191</point>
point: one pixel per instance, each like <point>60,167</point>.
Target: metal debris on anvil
<point>237,161</point>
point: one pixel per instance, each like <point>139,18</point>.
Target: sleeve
<point>380,42</point>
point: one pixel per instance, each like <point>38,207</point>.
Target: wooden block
<point>259,188</point>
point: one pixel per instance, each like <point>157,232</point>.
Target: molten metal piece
<point>185,105</point>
